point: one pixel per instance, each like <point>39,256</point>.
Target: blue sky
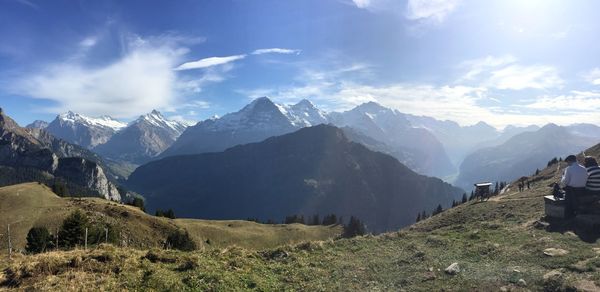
<point>503,62</point>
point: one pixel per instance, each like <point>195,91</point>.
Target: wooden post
<point>86,233</point>
<point>9,242</point>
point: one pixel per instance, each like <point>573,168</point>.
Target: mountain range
<point>521,155</point>
<point>142,139</point>
<point>135,143</point>
<point>35,155</point>
<point>314,170</point>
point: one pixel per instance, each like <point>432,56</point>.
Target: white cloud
<point>209,62</point>
<point>506,73</point>
<point>88,42</point>
<point>518,77</point>
<point>430,10</point>
<point>141,80</point>
<point>478,66</point>
<point>575,101</point>
<point>593,76</point>
<point>362,3</point>
<point>275,51</point>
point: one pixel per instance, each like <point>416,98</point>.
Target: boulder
<point>555,252</point>
<point>452,269</point>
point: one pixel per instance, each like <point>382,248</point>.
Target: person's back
<point>573,181</point>
<point>593,180</point>
<point>575,176</point>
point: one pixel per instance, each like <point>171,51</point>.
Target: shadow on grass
<point>587,232</point>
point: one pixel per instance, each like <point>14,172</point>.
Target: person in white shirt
<point>573,182</point>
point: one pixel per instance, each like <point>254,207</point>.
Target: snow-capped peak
<point>103,121</point>
<point>155,118</point>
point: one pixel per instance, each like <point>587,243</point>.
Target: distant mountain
<point>585,130</point>
<point>520,155</point>
<point>416,147</point>
<point>257,121</point>
<point>457,140</point>
<point>35,155</point>
<point>84,131</point>
<point>142,139</point>
<point>37,124</point>
<point>313,170</point>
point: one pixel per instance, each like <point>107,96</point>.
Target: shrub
<point>38,239</point>
<point>180,240</point>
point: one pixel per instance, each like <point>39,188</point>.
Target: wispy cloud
<point>141,80</point>
<point>275,51</point>
<point>575,101</point>
<point>430,10</point>
<point>209,62</point>
<point>506,73</point>
<point>593,76</point>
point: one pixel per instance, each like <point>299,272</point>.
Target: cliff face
<point>29,154</point>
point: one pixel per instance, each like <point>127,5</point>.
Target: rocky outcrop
<point>31,154</point>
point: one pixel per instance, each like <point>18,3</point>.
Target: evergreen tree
<point>170,214</point>
<point>423,215</point>
<point>159,213</point>
<point>180,240</point>
<point>437,210</point>
<point>537,171</point>
<point>138,202</point>
<point>315,220</point>
<point>60,188</point>
<point>38,239</point>
<point>330,220</point>
<point>354,228</point>
<point>418,217</point>
<point>464,198</point>
<point>72,231</point>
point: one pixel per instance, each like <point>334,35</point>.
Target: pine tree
<point>423,215</point>
<point>438,210</point>
<point>159,213</point>
<point>537,171</point>
<point>138,202</point>
<point>330,220</point>
<point>315,220</point>
<point>72,231</point>
<point>170,214</point>
<point>38,239</point>
<point>354,228</point>
<point>464,198</point>
<point>418,217</point>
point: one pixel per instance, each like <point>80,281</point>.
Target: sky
<point>499,61</point>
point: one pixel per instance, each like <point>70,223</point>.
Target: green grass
<point>31,204</point>
<point>494,243</point>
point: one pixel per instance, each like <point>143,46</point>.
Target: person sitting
<point>573,182</point>
<point>593,181</point>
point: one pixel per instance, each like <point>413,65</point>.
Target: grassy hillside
<point>496,244</point>
<point>33,204</point>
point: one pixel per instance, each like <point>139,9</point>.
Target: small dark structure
<point>554,207</point>
<point>482,190</point>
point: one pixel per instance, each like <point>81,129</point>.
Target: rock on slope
<point>315,170</point>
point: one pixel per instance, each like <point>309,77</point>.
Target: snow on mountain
<point>37,124</point>
<point>143,139</point>
<point>416,147</point>
<point>255,122</point>
<point>82,130</point>
<point>103,121</point>
<point>156,119</point>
